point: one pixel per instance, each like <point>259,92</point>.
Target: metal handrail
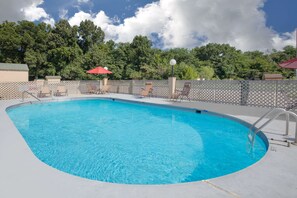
<point>23,95</point>
<point>275,114</point>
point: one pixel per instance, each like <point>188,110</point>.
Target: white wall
<point>14,76</point>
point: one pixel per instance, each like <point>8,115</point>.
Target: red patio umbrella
<point>99,70</point>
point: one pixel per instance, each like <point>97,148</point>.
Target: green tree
<point>60,58</point>
<point>89,35</point>
<point>10,43</point>
<point>140,52</point>
<point>183,71</point>
<point>206,72</point>
<point>288,52</point>
<point>120,61</point>
<point>63,35</point>
<point>34,47</point>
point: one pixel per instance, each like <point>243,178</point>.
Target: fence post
<point>171,84</point>
<point>276,94</point>
<point>131,87</point>
<point>244,91</point>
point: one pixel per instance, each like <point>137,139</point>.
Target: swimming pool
<point>123,142</point>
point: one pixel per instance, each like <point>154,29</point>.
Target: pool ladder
<point>31,94</point>
<point>271,115</point>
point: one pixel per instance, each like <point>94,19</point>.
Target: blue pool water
<point>122,142</point>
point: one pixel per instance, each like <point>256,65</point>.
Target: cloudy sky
<point>245,24</point>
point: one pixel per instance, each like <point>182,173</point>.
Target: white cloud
<point>49,21</point>
<point>178,23</point>
<point>63,13</point>
<point>190,23</point>
<point>83,1</point>
<point>33,12</point>
<point>78,17</point>
<point>147,20</point>
<point>15,10</point>
<point>280,41</point>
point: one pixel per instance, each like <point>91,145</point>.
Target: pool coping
<point>58,184</point>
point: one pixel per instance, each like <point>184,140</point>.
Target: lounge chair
<point>44,92</point>
<point>92,89</point>
<point>104,89</point>
<point>147,90</point>
<point>182,93</point>
<point>61,90</point>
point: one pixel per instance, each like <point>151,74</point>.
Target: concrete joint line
<point>220,188</point>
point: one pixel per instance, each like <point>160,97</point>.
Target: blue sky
<point>120,8</point>
<point>246,24</point>
<point>281,15</point>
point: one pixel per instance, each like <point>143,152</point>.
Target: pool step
<point>279,142</point>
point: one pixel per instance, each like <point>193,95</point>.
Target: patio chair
<point>61,90</point>
<point>147,90</point>
<point>182,93</point>
<point>104,89</point>
<point>92,89</point>
<point>44,92</point>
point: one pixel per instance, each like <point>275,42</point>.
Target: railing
<point>271,115</point>
<point>31,94</point>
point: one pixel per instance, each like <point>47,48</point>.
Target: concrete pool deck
<point>23,175</point>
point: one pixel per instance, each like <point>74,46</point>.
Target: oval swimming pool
<point>132,143</point>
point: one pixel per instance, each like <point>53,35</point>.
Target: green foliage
<point>71,51</point>
<point>185,72</point>
<point>206,72</point>
<point>89,35</point>
<point>10,43</point>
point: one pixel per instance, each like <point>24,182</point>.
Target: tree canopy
<point>69,51</point>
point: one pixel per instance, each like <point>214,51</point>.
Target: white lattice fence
<point>286,93</point>
<point>160,87</point>
<point>120,86</point>
<point>261,93</point>
<point>14,90</point>
<point>250,93</point>
<point>228,92</point>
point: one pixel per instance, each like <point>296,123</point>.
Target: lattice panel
<point>82,86</point>
<point>202,90</point>
<point>228,92</point>
<point>13,90</point>
<point>261,93</point>
<point>251,93</point>
<point>137,85</point>
<point>160,87</point>
<point>72,86</point>
<point>120,86</point>
<point>286,93</point>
